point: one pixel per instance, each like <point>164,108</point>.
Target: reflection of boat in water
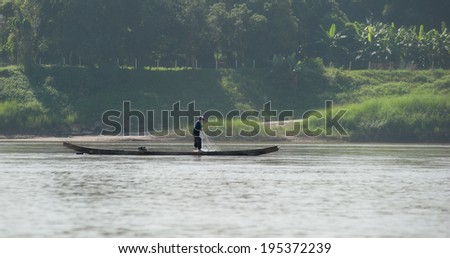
<point>145,152</point>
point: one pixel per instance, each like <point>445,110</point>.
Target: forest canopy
<point>237,33</point>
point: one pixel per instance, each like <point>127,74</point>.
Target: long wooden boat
<point>93,151</point>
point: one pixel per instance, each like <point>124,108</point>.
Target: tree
<point>21,19</point>
<point>405,12</point>
<point>313,15</point>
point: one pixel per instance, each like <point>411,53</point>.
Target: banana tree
<point>406,38</point>
<point>439,48</point>
<point>337,51</point>
<point>377,43</point>
<point>419,47</point>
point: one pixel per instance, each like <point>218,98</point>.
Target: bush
<point>28,118</point>
<point>405,118</point>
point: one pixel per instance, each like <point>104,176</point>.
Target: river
<point>316,190</point>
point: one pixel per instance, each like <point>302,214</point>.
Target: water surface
<point>340,190</point>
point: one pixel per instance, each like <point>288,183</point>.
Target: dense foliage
<point>234,33</point>
<point>294,44</point>
<point>431,13</point>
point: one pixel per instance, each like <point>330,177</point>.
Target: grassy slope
<point>383,105</point>
<point>396,105</point>
<point>55,97</point>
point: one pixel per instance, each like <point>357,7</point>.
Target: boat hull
<point>94,151</point>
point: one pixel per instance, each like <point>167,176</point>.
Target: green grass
<point>21,118</point>
<point>355,86</point>
<point>398,105</point>
<point>382,105</point>
<point>9,68</point>
<point>399,118</point>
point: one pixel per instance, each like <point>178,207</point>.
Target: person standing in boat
<point>197,130</point>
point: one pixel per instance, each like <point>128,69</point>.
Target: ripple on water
<point>301,191</point>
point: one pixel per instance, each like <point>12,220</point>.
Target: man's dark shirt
<point>197,128</point>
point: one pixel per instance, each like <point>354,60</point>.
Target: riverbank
<point>381,106</point>
<point>156,139</point>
